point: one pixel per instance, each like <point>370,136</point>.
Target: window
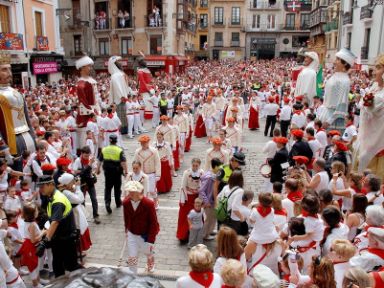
<point>77,44</point>
<point>367,38</point>
<point>203,3</point>
<point>218,39</point>
<point>219,15</point>
<point>4,19</point>
<point>39,23</point>
<point>290,21</point>
<point>156,45</point>
<point>203,20</point>
<point>235,40</point>
<point>304,20</point>
<point>349,40</point>
<point>256,21</point>
<point>126,46</point>
<point>235,18</point>
<point>271,24</point>
<point>103,46</point>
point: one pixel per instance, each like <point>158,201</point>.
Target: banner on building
<point>45,68</point>
<point>42,43</point>
<point>11,41</point>
<point>228,54</point>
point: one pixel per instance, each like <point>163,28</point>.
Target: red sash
<point>203,278</point>
<point>305,249</point>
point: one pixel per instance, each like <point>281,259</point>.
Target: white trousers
<point>182,142</point>
<point>137,126</point>
<point>130,120</point>
<point>156,117</point>
<point>152,191</point>
<point>135,246</point>
<point>209,126</point>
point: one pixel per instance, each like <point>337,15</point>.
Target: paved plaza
<point>171,258</point>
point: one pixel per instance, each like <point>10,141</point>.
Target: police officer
<point>62,233</point>
<point>114,165</point>
<point>222,176</point>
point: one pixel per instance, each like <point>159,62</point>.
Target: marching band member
<point>167,131</point>
<point>112,126</point>
<point>217,151</point>
<point>234,135</point>
<point>209,114</point>
<point>182,121</point>
<point>138,175</point>
<point>151,165</point>
<point>164,149</point>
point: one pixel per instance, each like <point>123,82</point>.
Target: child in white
<point>90,142</point>
<point>16,237</point>
<point>26,192</point>
<point>196,223</point>
<point>12,202</point>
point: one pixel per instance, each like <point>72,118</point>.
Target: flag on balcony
<point>319,82</point>
<point>294,5</point>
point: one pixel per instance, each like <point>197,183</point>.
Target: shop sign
<point>42,43</point>
<point>11,41</point>
<point>45,68</point>
<point>124,63</point>
<point>228,54</point>
<point>155,63</point>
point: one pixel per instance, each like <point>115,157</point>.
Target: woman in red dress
<point>253,122</point>
<point>200,131</point>
<point>188,193</point>
<point>188,141</point>
<point>164,185</point>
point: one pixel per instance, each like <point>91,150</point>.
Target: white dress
<point>336,233</point>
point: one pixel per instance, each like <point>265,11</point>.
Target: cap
<point>299,98</point>
<point>300,159</point>
<point>144,139</point>
<point>312,55</point>
<point>281,140</point>
<point>341,146</point>
<point>271,99</point>
<point>346,55</point>
<point>133,186</point>
<point>40,133</point>
<point>63,161</point>
<point>334,133</point>
<point>66,178</point>
<point>286,100</point>
<point>239,157</point>
<point>47,167</point>
<point>45,179</point>
<point>84,61</point>
<point>298,133</point>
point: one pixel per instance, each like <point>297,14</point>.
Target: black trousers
<point>284,125</point>
<point>64,255</point>
<point>271,122</point>
<point>92,195</point>
<point>112,180</point>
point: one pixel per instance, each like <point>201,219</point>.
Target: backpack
<point>221,211</point>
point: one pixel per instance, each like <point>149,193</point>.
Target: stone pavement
<point>171,258</point>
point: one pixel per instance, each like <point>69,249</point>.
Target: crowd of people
<point>318,222</point>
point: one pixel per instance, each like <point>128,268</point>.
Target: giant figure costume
<point>119,81</point>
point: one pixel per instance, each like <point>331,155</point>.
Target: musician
<point>300,147</point>
<point>281,157</point>
<point>234,135</point>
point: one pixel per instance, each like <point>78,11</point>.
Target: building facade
<point>331,31</point>
<point>30,33</point>
<point>157,28</point>
<point>318,21</point>
<point>276,28</point>
<point>226,37</point>
<point>362,30</point>
<point>201,38</point>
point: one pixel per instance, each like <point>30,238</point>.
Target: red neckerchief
<point>40,159</point>
<point>295,196</point>
<point>299,112</point>
<point>264,211</point>
<point>84,162</point>
<point>320,129</point>
<point>227,286</point>
<point>282,212</point>
<point>110,116</point>
<point>309,138</point>
<point>203,278</point>
<point>24,163</point>
<point>348,125</point>
<point>91,120</point>
<point>14,225</point>
<point>377,252</point>
<point>24,189</point>
<point>305,214</point>
<point>286,277</point>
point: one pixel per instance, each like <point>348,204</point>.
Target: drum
<point>265,170</point>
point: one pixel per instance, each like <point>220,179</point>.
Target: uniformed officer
<point>237,160</point>
<point>114,165</point>
<point>62,233</point>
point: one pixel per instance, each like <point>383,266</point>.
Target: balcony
<point>193,3</point>
<point>122,23</point>
<point>203,26</point>
<point>318,16</point>
<point>330,26</point>
<point>235,43</point>
<point>285,27</point>
<point>235,22</point>
<point>303,5</point>
<point>218,43</point>
<point>366,13</point>
<point>203,3</point>
<point>218,22</point>
<point>259,5</point>
<point>364,53</point>
<point>153,23</point>
<point>102,24</point>
<point>347,18</point>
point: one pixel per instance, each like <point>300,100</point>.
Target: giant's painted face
<point>5,74</point>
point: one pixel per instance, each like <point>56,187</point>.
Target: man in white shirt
<point>271,111</point>
<point>350,132</point>
<point>299,120</point>
<point>285,117</point>
<point>270,147</point>
<point>321,136</point>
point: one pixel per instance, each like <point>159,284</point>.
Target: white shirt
<point>340,269</point>
<point>349,133</point>
<point>378,201</point>
<point>285,113</point>
<point>299,120</point>
<point>336,233</point>
<point>235,201</point>
<point>270,109</point>
<point>270,149</point>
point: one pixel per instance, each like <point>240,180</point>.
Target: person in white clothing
<point>92,126</point>
<point>350,132</point>
<point>321,136</point>
<point>156,112</point>
<point>320,180</point>
<point>270,148</point>
<point>201,263</point>
<point>373,188</point>
<point>299,120</point>
<point>313,143</point>
<point>138,175</point>
<point>129,106</point>
<point>285,117</point>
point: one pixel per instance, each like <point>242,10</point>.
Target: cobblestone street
<point>171,258</point>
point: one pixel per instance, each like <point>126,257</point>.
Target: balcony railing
<point>330,26</point>
<point>218,43</point>
<point>203,26</point>
<point>152,22</point>
<point>101,24</point>
<point>347,18</point>
<point>278,27</point>
<point>122,23</point>
<point>366,12</point>
<point>304,5</point>
<point>258,5</point>
<point>235,21</point>
<point>218,22</point>
<point>235,43</point>
<point>364,53</point>
<point>318,16</point>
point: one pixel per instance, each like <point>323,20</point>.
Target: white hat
<point>346,55</point>
<point>84,61</point>
<point>377,231</point>
<point>264,277</point>
<point>133,186</point>
<point>312,55</point>
<point>66,178</point>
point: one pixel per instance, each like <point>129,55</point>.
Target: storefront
<point>45,68</point>
<point>263,48</point>
<point>167,64</point>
